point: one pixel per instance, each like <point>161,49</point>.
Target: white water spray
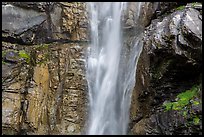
<point>110,70</point>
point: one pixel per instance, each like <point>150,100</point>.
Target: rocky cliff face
<point>44,86</point>
<point>173,56</point>
<point>43,65</point>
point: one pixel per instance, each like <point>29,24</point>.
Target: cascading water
<point>111,70</point>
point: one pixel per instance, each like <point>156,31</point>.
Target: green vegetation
<point>24,55</point>
<point>180,7</point>
<point>3,62</point>
<point>20,54</point>
<point>194,4</point>
<point>3,53</point>
<point>183,103</point>
<point>183,99</point>
<point>196,120</point>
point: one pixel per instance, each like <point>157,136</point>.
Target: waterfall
<point>111,69</point>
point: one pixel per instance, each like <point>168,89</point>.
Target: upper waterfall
<point>111,69</point>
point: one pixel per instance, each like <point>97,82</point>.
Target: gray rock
<point>11,56</point>
<point>16,20</point>
<point>180,33</point>
<point>193,23</point>
<point>6,70</point>
<point>164,123</point>
<point>38,6</point>
<point>191,30</point>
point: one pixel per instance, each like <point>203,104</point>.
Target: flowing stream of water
<point>111,70</point>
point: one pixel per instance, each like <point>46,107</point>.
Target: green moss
<point>188,94</point>
<point>24,55</point>
<point>3,53</point>
<point>180,7</point>
<point>196,103</point>
<point>21,54</point>
<point>194,4</point>
<point>185,113</point>
<point>196,120</point>
<point>3,62</point>
<point>183,99</point>
<point>184,102</point>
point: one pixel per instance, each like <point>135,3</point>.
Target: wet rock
<point>165,7</point>
<point>50,100</point>
<point>166,123</point>
<point>24,19</point>
<point>11,56</point>
<point>140,14</point>
<point>144,15</point>
<point>176,32</point>
<point>38,6</point>
<point>16,21</point>
<point>170,42</point>
<point>74,97</point>
<point>192,34</point>
<point>33,23</point>
<point>174,51</point>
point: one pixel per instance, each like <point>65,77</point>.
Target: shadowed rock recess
<point>44,88</point>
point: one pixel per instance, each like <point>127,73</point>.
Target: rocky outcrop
<point>174,49</point>
<point>43,22</point>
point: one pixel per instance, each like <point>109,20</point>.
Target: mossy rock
<point>184,103</point>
